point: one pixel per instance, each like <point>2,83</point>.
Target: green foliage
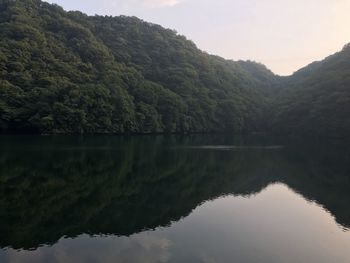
<point>66,72</point>
<point>316,99</point>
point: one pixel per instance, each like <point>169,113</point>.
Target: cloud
<point>145,247</point>
<point>160,3</point>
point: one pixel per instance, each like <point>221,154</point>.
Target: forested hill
<point>66,72</point>
<point>316,99</point>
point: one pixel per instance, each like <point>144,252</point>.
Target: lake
<point>195,198</point>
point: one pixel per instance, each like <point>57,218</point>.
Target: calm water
<point>173,199</point>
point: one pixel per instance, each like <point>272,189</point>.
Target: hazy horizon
<point>283,35</point>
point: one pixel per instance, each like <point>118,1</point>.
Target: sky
<point>285,35</point>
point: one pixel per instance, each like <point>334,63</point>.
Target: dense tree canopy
<point>316,99</point>
<point>66,72</point>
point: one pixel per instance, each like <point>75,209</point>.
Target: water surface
<point>173,199</point>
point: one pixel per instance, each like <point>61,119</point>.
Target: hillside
<point>66,72</point>
<point>316,99</point>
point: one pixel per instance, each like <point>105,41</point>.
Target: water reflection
<point>59,191</point>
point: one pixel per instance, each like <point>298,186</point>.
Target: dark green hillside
<point>316,99</point>
<point>65,72</point>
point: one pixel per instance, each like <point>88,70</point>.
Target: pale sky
<point>285,35</point>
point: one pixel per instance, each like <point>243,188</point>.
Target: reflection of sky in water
<point>139,248</point>
<point>276,225</point>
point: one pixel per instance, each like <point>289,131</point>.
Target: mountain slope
<point>316,99</point>
<point>66,72</point>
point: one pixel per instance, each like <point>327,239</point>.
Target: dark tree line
<point>66,72</point>
<point>316,99</point>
